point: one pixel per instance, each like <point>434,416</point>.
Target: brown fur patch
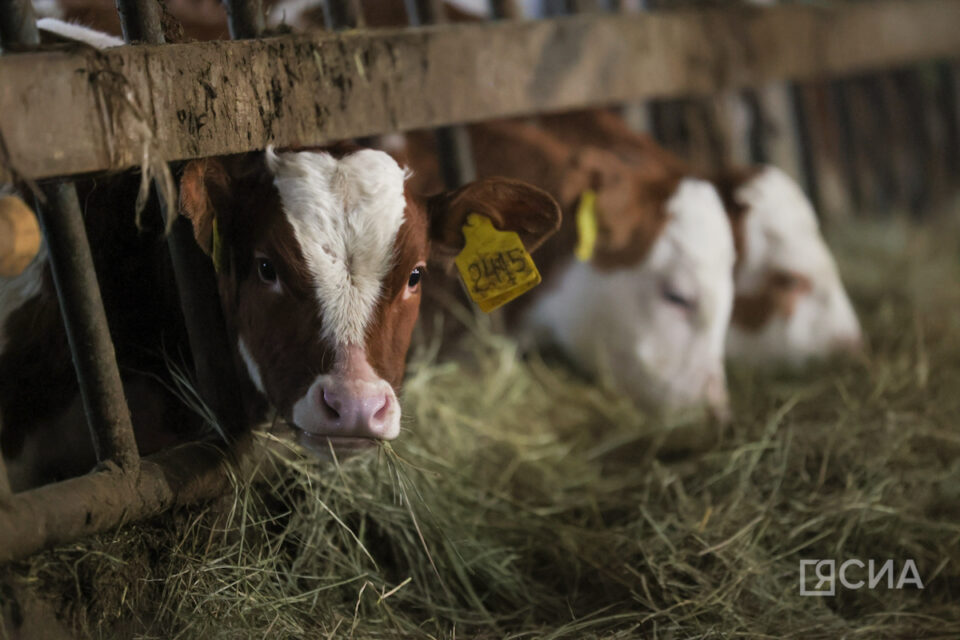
<point>778,296</point>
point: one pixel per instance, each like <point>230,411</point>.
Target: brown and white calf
<point>790,303</point>
<point>650,308</point>
<point>320,256</point>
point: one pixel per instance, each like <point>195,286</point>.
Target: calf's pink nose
<point>362,413</point>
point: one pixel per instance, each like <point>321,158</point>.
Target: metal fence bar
<point>18,24</point>
<point>454,149</point>
<point>196,283</point>
<point>4,479</point>
<point>245,18</point>
<point>140,21</point>
<point>85,321</point>
<point>342,14</point>
<point>505,10</point>
<point>78,292</point>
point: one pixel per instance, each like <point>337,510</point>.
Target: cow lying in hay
<point>790,304</point>
<point>648,301</point>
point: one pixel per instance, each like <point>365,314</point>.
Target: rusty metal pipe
<point>85,321</point>
<point>454,150</point>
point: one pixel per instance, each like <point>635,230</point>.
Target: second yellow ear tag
<point>586,226</point>
<point>494,265</point>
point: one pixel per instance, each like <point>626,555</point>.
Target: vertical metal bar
<point>245,18</point>
<point>505,10</point>
<point>196,283</point>
<point>453,143</point>
<point>805,149</point>
<point>85,321</point>
<point>5,492</point>
<point>18,23</point>
<point>342,14</point>
<point>947,102</point>
<point>141,21</point>
<point>848,156</point>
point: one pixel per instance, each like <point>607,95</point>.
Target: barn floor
<point>521,502</point>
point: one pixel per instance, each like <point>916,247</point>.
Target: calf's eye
<point>676,298</point>
<point>415,276</point>
<point>267,273</point>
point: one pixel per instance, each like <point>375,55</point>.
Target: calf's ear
<point>202,184</point>
<point>511,205</point>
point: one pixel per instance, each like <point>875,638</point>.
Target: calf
<point>319,255</point>
<point>651,305</point>
<point>790,302</point>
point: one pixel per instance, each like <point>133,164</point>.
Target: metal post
<point>85,321</point>
<point>18,23</point>
<point>4,479</point>
<point>196,283</point>
<point>140,21</point>
<point>453,143</point>
<point>805,149</point>
<point>342,14</point>
<point>505,10</point>
<point>245,18</point>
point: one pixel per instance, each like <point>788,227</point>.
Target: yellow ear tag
<point>586,226</point>
<point>216,250</point>
<point>494,265</point>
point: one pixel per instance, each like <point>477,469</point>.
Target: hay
<point>522,502</point>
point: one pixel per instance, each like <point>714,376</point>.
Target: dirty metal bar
<point>60,513</point>
<point>197,286</point>
<point>85,321</point>
<point>18,24</point>
<point>454,149</point>
<point>808,169</point>
<point>505,10</point>
<point>4,479</point>
<point>245,18</point>
<point>342,14</point>
<point>141,21</point>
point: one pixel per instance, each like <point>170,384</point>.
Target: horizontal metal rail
<point>230,97</point>
<point>59,513</point>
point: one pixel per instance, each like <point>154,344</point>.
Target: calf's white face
<point>790,305</point>
<point>656,324</point>
<point>320,256</point>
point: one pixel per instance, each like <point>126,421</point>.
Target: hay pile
<point>522,502</point>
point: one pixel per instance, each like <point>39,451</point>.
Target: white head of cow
<point>790,303</point>
<point>652,307</point>
<point>320,255</point>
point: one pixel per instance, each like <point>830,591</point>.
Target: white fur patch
<point>781,233</point>
<point>345,215</point>
<point>14,292</point>
<point>79,33</point>
<point>252,369</point>
<point>619,322</point>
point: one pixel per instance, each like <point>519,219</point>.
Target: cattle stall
<point>857,101</point>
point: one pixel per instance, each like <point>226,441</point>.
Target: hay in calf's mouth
<point>522,502</point>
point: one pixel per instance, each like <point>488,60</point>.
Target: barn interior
<point>525,498</point>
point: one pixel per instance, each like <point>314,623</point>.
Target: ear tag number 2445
<point>494,265</point>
